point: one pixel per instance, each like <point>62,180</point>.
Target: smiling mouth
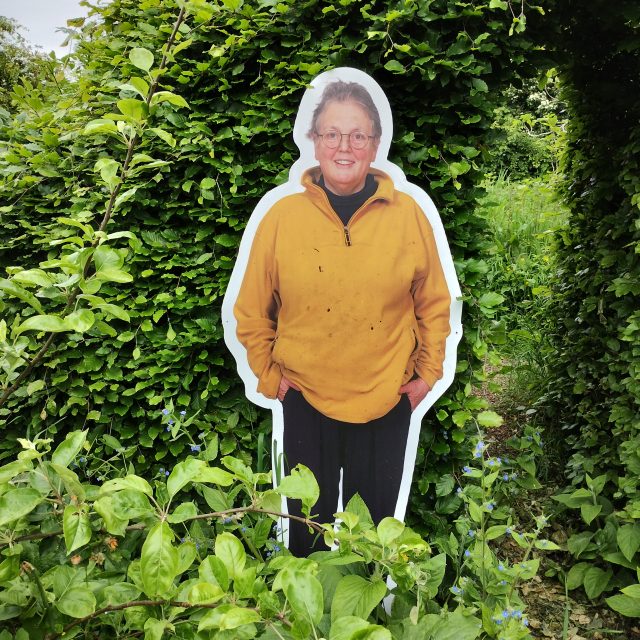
<point>344,163</point>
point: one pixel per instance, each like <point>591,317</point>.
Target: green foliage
<point>524,220</point>
<point>127,557</point>
<point>594,391</point>
<point>208,144</point>
<point>18,62</point>
<point>528,131</point>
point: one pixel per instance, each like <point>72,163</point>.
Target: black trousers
<point>371,456</point>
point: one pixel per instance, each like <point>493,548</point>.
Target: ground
<point>552,615</point>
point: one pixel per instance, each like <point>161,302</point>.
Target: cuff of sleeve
<point>269,381</point>
<point>429,375</point>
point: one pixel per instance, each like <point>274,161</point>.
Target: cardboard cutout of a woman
<point>343,310</point>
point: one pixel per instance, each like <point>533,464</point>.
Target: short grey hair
<point>340,91</point>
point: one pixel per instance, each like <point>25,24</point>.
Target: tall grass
<point>523,219</point>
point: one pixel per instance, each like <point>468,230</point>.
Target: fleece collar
<point>317,194</point>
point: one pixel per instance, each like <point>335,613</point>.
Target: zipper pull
<point>347,237</point>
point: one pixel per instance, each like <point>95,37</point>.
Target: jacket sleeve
<point>256,312</point>
<point>432,302</point>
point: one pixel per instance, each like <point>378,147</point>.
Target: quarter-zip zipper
<point>345,228</point>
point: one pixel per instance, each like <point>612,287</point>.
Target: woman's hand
<point>416,391</point>
<point>285,385</point>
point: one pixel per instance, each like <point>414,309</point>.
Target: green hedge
<point>594,402</point>
<point>242,68</point>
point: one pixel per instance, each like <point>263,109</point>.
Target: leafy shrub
<point>192,554</point>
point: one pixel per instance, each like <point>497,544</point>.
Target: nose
<point>345,143</point>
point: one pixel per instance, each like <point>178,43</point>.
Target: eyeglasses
<point>332,139</point>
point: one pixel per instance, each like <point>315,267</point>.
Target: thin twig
<point>201,516</point>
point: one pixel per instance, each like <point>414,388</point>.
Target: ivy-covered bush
<point>594,397</point>
<point>178,121</point>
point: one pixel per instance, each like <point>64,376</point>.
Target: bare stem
<point>201,516</point>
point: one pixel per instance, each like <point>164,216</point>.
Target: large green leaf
<point>76,526</point>
<point>628,537</point>
<point>158,561</point>
<point>596,581</point>
<point>626,605</point>
<point>353,628</point>
<point>131,481</point>
<point>16,503</point>
<point>357,596</point>
<point>301,485</point>
<point>77,602</point>
<point>50,324</point>
<point>304,593</point>
<point>228,616</point>
<point>69,448</point>
<point>389,530</point>
<point>141,58</point>
<point>183,473</point>
<point>231,552</point>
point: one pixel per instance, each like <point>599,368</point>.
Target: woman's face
<point>344,169</point>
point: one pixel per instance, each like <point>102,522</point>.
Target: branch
<point>201,516</point>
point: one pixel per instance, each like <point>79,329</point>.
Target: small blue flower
<point>498,620</point>
<point>170,422</point>
<point>525,622</point>
<point>505,477</point>
<point>490,506</point>
<point>505,614</point>
<point>508,531</point>
<point>517,614</point>
<point>503,582</point>
<point>195,447</point>
<point>466,469</point>
<point>276,548</point>
<point>491,463</point>
<point>83,459</point>
<point>268,554</point>
<point>480,445</point>
<point>182,539</point>
<point>467,553</point>
<point>227,520</point>
<point>168,428</point>
<point>243,529</point>
<point>161,469</point>
<point>459,490</point>
<point>471,533</point>
<point>197,545</point>
<point>501,567</point>
<point>456,590</point>
<point>477,454</point>
<point>506,460</point>
<point>183,413</point>
<point>167,472</point>
<point>165,412</point>
<point>499,461</point>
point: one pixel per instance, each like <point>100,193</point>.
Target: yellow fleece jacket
<point>349,314</point>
